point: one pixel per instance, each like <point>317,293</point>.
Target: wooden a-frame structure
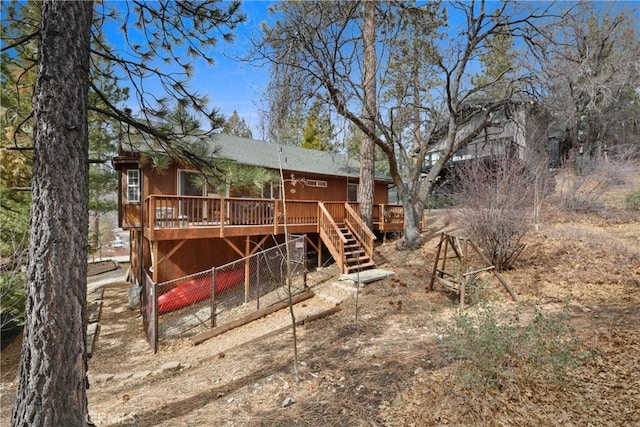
<point>457,248</point>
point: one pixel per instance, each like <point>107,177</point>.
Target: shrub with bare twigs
<point>498,200</point>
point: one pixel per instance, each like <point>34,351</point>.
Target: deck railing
<point>359,229</point>
<point>389,217</point>
<point>331,235</point>
<point>164,212</point>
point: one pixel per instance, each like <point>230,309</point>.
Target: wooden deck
<point>190,217</point>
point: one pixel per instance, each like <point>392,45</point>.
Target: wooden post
<point>435,265</point>
<point>213,298</point>
<point>495,273</point>
<point>275,216</point>
<point>444,257</point>
<point>223,215</point>
<point>247,269</point>
<point>154,260</point>
<point>463,269</point>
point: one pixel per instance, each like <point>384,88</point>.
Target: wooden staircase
<point>355,257</point>
<point>350,241</point>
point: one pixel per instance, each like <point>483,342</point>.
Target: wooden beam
<point>313,245</point>
<point>200,338</point>
<point>222,216</point>
<point>435,265</point>
<point>172,251</point>
<point>254,250</point>
<point>234,247</point>
<point>480,270</point>
<point>494,271</point>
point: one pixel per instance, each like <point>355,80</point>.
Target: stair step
<point>358,260</point>
<point>360,267</point>
<point>357,248</point>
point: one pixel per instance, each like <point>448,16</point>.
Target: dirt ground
<point>381,359</point>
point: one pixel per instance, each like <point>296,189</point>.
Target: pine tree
<point>236,126</point>
<point>53,380</point>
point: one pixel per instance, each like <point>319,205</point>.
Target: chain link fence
<point>211,298</point>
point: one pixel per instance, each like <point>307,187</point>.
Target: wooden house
<point>178,226</point>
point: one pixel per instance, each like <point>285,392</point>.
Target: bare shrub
<point>585,193</point>
<point>497,200</point>
<point>581,193</point>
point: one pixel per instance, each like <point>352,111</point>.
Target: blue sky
<point>231,83</point>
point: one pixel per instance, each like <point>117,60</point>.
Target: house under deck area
<point>241,226</point>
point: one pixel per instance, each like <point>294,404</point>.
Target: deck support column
<point>154,260</point>
<point>247,268</point>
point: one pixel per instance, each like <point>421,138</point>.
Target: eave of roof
<point>295,159</point>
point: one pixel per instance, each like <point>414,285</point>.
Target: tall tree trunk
<point>367,153</point>
<point>412,216</point>
<point>53,362</point>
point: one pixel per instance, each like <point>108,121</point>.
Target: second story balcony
<point>180,217</point>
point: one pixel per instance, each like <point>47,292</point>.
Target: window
<point>133,186</point>
<point>189,184</point>
<point>433,158</point>
<point>315,183</point>
<point>271,191</point>
<point>352,192</point>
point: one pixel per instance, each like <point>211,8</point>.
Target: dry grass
<point>391,368</point>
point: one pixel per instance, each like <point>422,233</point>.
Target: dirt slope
<point>381,359</point>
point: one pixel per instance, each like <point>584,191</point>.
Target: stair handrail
<point>331,235</point>
<point>360,230</point>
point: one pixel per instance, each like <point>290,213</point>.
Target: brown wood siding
<point>165,183</point>
<point>129,212</point>
<point>210,253</point>
<point>161,183</point>
<point>381,193</point>
<point>131,216</point>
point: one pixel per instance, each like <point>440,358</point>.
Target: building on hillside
<point>521,129</point>
<point>179,225</point>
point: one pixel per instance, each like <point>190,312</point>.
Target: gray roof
<point>263,154</point>
<point>295,159</point>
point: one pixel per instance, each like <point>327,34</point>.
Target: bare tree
<point>319,47</point>
<point>592,78</point>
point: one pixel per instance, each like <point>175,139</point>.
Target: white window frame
<point>183,174</point>
<point>271,191</point>
<point>133,186</point>
<point>315,183</point>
